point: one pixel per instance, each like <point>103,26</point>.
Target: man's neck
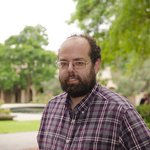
<point>76,101</point>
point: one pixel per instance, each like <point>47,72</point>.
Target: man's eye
<point>79,63</point>
<point>63,63</point>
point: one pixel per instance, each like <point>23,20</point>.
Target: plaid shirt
<point>102,121</point>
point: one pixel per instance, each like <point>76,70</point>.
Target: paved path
<point>23,140</point>
<point>18,141</point>
<point>26,116</point>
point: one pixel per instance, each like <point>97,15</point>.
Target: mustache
<point>73,76</point>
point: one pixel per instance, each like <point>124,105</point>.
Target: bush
<point>144,111</point>
<point>5,114</point>
<point>42,98</point>
<point>4,111</point>
<point>1,101</point>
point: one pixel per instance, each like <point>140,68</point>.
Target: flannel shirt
<point>103,120</point>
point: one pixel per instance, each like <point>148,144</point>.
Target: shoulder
<point>56,102</point>
<point>112,98</point>
<point>59,98</point>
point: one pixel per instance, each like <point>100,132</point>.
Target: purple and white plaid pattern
<point>102,121</point>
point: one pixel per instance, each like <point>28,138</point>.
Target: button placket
<point>67,141</point>
<point>70,132</point>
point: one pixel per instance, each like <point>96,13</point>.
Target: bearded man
<point>88,116</point>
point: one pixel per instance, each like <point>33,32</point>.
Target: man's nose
<point>70,67</point>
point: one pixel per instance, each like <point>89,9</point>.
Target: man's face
<point>76,81</point>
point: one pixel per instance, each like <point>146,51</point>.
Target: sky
<point>51,14</point>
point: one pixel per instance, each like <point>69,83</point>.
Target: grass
<point>18,126</point>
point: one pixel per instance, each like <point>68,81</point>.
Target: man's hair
<point>95,50</point>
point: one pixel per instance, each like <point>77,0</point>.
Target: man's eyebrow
<point>75,59</point>
<point>62,60</point>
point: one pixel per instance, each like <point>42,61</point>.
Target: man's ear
<point>97,65</point>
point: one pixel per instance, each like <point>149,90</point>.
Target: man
<point>88,116</point>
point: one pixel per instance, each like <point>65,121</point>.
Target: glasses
<point>80,64</point>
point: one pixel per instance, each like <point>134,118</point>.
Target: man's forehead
<point>74,41</point>
<point>74,47</point>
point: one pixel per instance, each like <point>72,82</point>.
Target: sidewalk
<point>23,140</point>
<point>19,141</point>
<point>26,116</point>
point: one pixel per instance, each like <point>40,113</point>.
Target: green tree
<point>92,14</point>
<point>127,44</point>
<point>125,41</point>
<point>128,33</point>
<point>7,74</point>
<point>134,83</point>
<point>25,60</point>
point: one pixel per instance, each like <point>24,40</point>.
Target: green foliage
<point>137,81</point>
<point>128,38</point>
<point>1,102</point>
<point>90,14</point>
<point>124,40</point>
<point>18,126</point>
<point>42,98</point>
<point>24,61</point>
<point>4,111</point>
<point>53,87</point>
<point>5,114</point>
<point>144,110</point>
<point>31,36</point>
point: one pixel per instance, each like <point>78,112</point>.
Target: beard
<point>82,88</point>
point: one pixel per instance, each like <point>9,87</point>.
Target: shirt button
<point>82,112</point>
<point>67,141</point>
<point>73,121</point>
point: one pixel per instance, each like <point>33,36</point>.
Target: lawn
<point>18,126</point>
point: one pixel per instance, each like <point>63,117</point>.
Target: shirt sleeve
<point>135,134</point>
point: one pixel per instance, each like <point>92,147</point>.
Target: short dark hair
<point>95,50</point>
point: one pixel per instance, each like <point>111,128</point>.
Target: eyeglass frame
<point>75,66</point>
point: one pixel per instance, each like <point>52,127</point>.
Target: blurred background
<point>31,32</point>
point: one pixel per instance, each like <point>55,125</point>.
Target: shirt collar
<point>84,104</point>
